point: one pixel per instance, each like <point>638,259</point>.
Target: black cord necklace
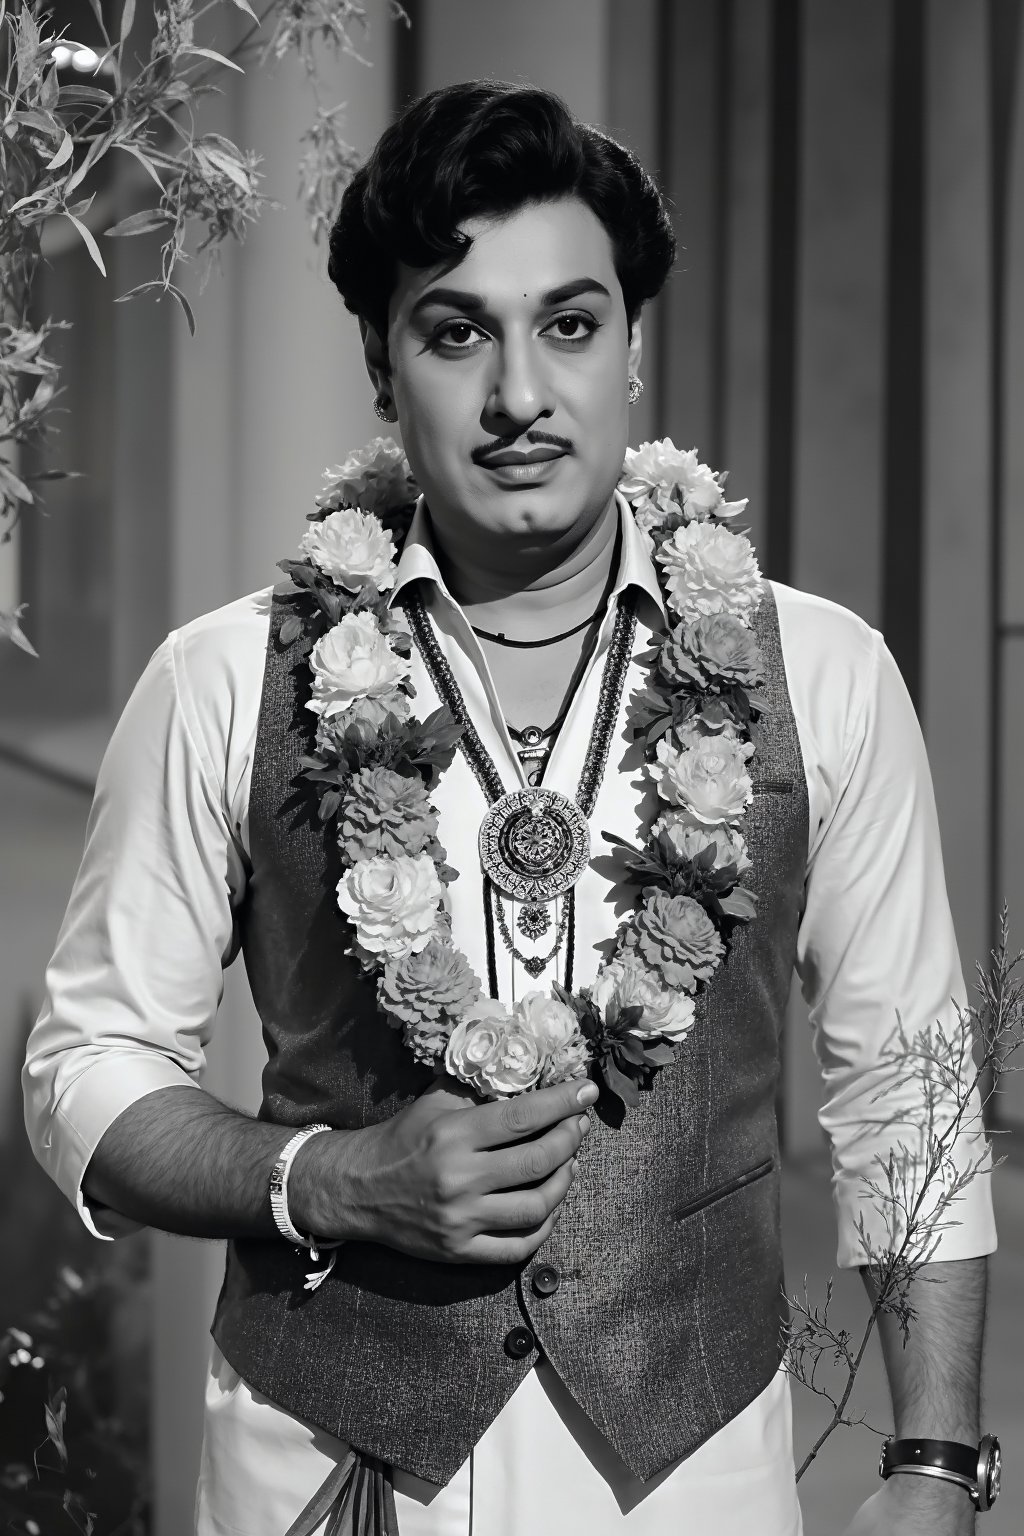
<point>500,638</point>
<point>525,645</point>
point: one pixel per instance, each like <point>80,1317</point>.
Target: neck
<point>525,606</point>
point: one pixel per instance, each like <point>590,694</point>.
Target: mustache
<point>535,439</point>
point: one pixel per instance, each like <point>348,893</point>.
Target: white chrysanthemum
<point>376,478</point>
<point>568,1062</point>
<point>626,984</point>
<point>709,782</point>
<point>392,903</point>
<point>370,713</point>
<point>648,517</point>
<point>351,548</point>
<point>696,730</point>
<point>709,569</point>
<point>689,841</point>
<point>353,661</point>
<point>674,476</point>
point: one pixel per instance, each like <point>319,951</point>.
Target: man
<point>537,1319</point>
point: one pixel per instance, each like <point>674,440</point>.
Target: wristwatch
<point>978,1469</point>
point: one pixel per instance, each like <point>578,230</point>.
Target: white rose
<point>709,569</point>
<point>494,1054</point>
<point>353,661</point>
<point>351,548</point>
<point>689,841</point>
<point>392,903</point>
<point>549,1021</point>
<point>709,781</point>
<point>475,1039</point>
<point>625,984</point>
<point>376,478</point>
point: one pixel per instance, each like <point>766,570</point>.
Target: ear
<point>636,346</point>
<point>375,355</point>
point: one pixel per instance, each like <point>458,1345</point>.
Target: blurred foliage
<point>57,132</point>
<point>72,1458</point>
<point>74,1356</point>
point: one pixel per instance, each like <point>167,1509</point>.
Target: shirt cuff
<point>85,1110</point>
<point>968,1227</point>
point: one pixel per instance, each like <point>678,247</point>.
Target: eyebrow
<point>472,303</point>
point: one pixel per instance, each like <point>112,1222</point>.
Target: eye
<point>455,336</point>
<point>572,327</point>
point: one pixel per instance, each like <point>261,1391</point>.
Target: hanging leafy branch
<point>207,189</point>
<point>959,1068</point>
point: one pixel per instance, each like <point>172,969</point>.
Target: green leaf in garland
<point>290,630</point>
<point>740,903</point>
<point>617,1082</point>
<point>329,803</point>
<point>301,572</point>
<point>630,1048</point>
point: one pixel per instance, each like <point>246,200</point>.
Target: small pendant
<point>534,964</point>
<point>533,920</point>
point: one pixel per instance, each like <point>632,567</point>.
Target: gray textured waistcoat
<point>666,1319</point>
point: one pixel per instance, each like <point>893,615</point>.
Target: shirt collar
<point>418,560</point>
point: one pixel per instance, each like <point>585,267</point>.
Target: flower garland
<point>374,765</point>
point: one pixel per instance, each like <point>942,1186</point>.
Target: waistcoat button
<point>546,1280</point>
<point>519,1342</point>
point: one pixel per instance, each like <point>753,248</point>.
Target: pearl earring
<point>636,389</point>
<point>380,406</point>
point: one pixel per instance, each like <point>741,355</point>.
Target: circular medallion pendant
<point>534,844</point>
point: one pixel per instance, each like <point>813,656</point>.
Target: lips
<point>506,456</point>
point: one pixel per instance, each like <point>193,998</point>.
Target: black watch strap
<point>975,1468</point>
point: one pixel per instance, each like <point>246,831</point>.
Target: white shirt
<point>134,984</point>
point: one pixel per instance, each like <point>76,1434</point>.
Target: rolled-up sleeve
<point>134,984</point>
<point>876,949</point>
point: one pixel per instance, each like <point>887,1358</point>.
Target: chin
<point>534,519</point>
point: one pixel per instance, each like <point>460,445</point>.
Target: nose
<point>520,389</point>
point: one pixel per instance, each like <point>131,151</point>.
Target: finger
<point>511,1247</point>
<point>524,1209</point>
<point>523,1115</point>
<point>528,1162</point>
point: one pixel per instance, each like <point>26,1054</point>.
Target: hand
<point>447,1178</point>
<point>909,1505</point>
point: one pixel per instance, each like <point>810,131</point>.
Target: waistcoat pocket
<point>722,1191</point>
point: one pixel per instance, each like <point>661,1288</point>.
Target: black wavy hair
<point>484,147</point>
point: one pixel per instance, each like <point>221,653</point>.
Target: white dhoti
<point>541,1469</point>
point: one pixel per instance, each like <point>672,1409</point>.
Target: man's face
<point>510,373</point>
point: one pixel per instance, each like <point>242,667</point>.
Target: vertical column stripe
<point>783,276</point>
<point>407,67</point>
<point>955,704</point>
<point>903,413</point>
